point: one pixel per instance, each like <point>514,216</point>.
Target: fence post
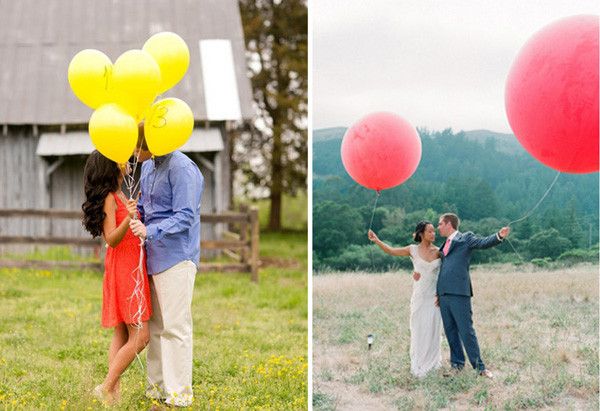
<point>254,229</point>
<point>244,234</point>
<point>248,221</point>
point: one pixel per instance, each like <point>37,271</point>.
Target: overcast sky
<point>439,64</point>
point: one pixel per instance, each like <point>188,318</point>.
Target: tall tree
<point>571,228</point>
<point>339,226</point>
<point>277,46</point>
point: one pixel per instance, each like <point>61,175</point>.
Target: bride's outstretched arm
<point>398,251</point>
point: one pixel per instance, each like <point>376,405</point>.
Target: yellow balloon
<point>172,55</point>
<point>168,126</point>
<point>114,132</point>
<point>89,75</point>
<point>135,80</point>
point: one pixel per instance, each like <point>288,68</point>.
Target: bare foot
<point>98,394</point>
<point>104,397</point>
<point>114,396</point>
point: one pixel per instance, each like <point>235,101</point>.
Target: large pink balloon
<point>551,95</point>
<point>381,150</point>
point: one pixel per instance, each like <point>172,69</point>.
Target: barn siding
<point>66,193</point>
<point>22,179</point>
<point>19,181</point>
<point>39,39</point>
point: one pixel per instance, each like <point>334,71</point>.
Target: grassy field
<point>250,340</point>
<point>538,331</point>
<point>293,211</point>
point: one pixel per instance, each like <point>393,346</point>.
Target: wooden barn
<point>44,142</point>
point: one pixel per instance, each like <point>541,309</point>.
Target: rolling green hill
<point>486,178</point>
<point>515,178</point>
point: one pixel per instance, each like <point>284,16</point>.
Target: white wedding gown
<point>425,317</point>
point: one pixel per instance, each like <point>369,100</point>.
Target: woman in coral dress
<point>126,293</point>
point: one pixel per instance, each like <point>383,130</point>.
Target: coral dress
<point>126,292</point>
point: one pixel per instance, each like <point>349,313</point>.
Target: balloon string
<point>129,178</point>
<point>138,290</point>
<point>373,213</point>
<point>137,274</point>
<point>138,295</point>
<point>514,249</point>
<point>370,225</point>
<point>530,213</point>
<point>538,203</point>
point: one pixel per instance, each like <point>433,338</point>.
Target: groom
<point>169,203</point>
<point>454,290</point>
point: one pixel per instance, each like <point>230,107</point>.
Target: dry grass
<point>538,331</point>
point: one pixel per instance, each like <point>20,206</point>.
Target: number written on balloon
<point>170,124</point>
<point>158,118</point>
<point>106,75</point>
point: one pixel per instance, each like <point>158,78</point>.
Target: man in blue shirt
<point>169,203</point>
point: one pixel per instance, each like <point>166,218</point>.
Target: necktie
<point>446,246</point>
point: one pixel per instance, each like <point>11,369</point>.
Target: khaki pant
<point>169,352</point>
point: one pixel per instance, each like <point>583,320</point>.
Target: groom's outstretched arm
<point>487,242</point>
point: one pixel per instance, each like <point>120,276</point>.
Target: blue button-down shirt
<point>169,205</point>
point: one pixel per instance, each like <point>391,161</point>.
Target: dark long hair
<point>100,177</point>
<point>420,229</point>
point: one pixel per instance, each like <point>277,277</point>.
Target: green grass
<point>294,212</point>
<point>324,402</point>
<point>59,253</point>
<point>250,340</point>
<point>289,245</point>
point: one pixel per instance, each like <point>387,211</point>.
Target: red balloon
<point>381,150</point>
<point>551,95</point>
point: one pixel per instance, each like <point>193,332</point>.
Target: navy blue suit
<point>455,291</point>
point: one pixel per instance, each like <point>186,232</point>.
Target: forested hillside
<point>484,177</point>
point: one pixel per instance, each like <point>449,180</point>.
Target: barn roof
<point>38,39</point>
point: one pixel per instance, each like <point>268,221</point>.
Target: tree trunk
<point>276,181</point>
<point>275,215</point>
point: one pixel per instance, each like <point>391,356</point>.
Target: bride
<point>425,317</point>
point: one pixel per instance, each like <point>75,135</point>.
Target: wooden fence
<point>247,261</point>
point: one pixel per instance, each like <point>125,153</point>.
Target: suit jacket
<point>454,275</point>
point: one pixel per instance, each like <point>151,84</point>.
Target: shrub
<point>363,258</point>
<point>578,256</point>
<point>541,262</point>
<point>548,243</point>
